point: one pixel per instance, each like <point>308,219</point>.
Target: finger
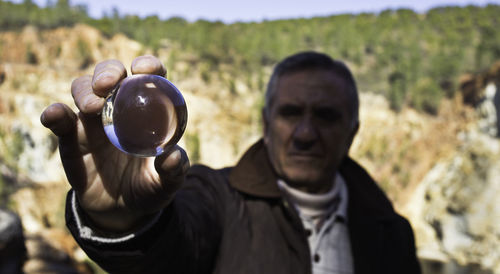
<point>71,154</point>
<point>148,64</point>
<point>92,137</point>
<point>107,75</point>
<point>59,118</point>
<point>85,99</point>
<point>91,131</point>
<point>172,167</point>
<point>81,148</point>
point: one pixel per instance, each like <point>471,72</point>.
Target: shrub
<point>426,96</point>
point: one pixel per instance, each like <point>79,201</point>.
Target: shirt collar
<point>310,205</point>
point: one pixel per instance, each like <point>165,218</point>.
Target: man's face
<point>309,128</point>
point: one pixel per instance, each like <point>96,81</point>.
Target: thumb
<point>172,168</point>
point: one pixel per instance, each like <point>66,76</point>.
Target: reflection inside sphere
<point>144,115</point>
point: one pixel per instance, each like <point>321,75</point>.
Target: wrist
<point>88,230</point>
<point>118,222</point>
<point>111,222</point>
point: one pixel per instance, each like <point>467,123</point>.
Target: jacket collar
<point>254,175</point>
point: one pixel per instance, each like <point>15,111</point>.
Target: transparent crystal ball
<point>144,115</point>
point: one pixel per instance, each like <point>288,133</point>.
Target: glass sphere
<point>144,115</point>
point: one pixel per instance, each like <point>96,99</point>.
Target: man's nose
<point>305,134</point>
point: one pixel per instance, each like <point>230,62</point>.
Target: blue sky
<point>256,10</point>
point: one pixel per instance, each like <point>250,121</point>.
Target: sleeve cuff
<point>86,232</point>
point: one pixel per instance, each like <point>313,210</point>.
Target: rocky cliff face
<point>455,209</point>
<point>441,171</point>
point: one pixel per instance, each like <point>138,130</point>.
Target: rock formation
<point>454,209</point>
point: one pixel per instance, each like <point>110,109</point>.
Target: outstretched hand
<point>117,191</point>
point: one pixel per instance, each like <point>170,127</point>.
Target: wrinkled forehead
<point>312,86</point>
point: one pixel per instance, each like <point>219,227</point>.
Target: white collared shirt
<point>324,217</point>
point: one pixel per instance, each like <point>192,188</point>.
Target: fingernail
<point>173,159</point>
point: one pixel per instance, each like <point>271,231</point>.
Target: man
<point>294,203</point>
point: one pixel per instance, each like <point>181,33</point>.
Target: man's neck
<point>322,186</point>
<point>314,205</point>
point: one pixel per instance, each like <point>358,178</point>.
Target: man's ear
<point>353,133</point>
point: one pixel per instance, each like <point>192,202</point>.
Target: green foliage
<point>7,188</point>
<point>489,46</point>
<point>2,192</point>
<point>31,57</point>
<point>11,147</point>
<point>206,75</point>
<point>14,146</point>
<point>232,87</point>
<point>426,96</point>
<point>397,90</point>
<point>193,146</point>
<point>84,52</point>
<point>58,51</point>
<point>15,16</point>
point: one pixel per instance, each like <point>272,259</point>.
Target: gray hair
<point>312,60</point>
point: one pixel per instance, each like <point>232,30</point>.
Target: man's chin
<point>306,180</point>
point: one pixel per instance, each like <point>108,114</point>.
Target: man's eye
<point>290,111</point>
<point>327,114</point>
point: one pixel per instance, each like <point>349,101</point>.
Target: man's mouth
<point>304,157</point>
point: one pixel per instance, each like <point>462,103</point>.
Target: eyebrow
<point>331,111</point>
<point>289,107</point>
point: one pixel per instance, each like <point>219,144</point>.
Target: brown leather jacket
<point>234,220</point>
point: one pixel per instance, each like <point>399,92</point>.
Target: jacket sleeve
<point>412,263</point>
<point>183,238</point>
